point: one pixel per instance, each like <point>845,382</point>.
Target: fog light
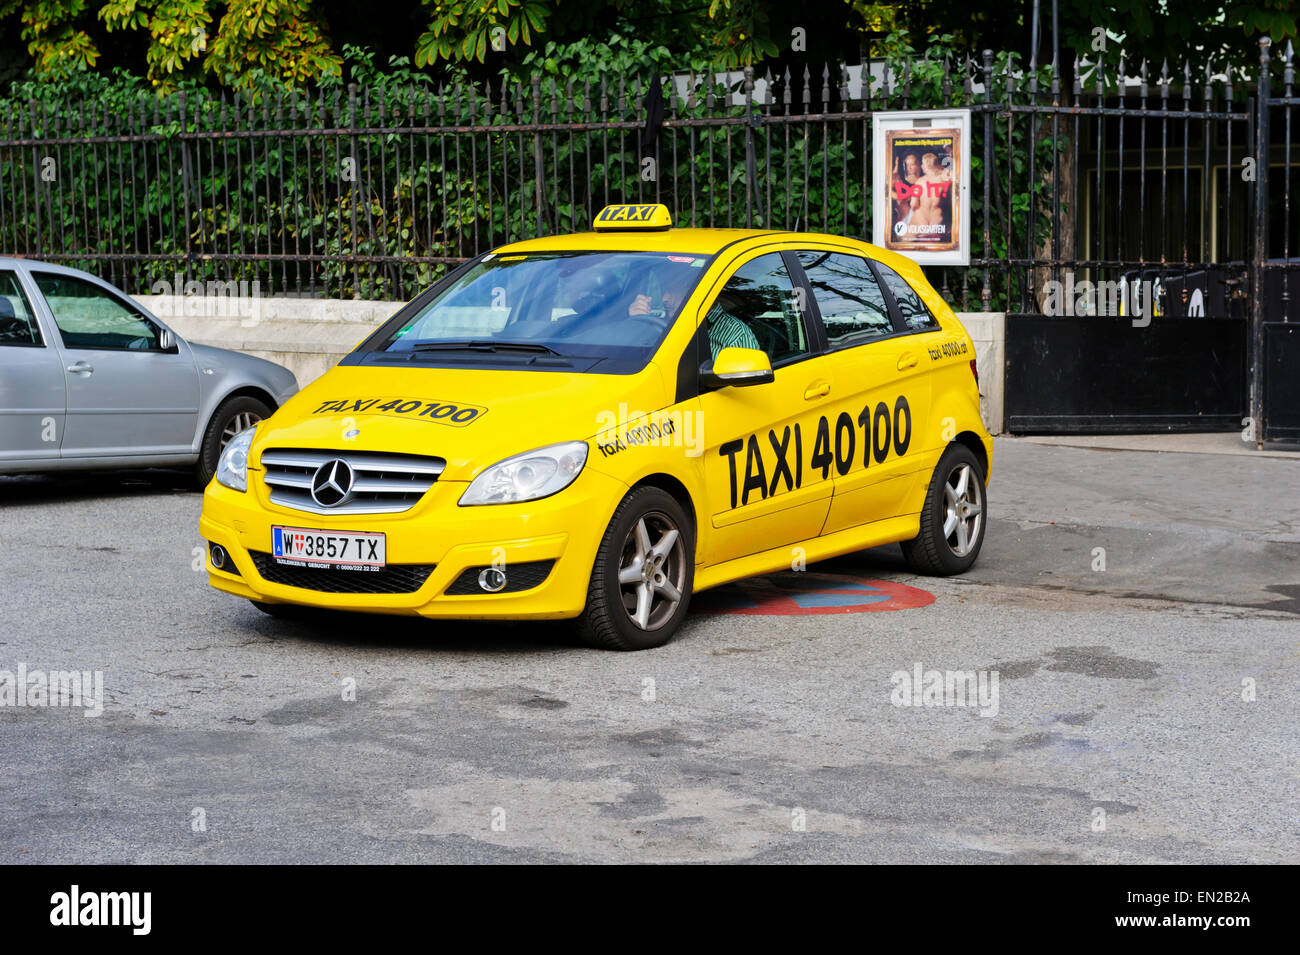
<point>491,579</point>
<point>218,555</point>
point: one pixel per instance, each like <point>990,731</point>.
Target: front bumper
<point>565,529</point>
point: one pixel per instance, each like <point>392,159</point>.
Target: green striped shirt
<point>727,331</point>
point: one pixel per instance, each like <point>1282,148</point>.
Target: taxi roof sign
<point>633,217</point>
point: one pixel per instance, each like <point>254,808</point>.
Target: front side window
<point>757,309</point>
<point>915,315</point>
<point>852,306</point>
<point>89,316</point>
<point>17,323</point>
<point>599,306</point>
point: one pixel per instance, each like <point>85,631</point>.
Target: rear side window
<point>852,306</point>
<point>17,323</point>
<point>914,313</point>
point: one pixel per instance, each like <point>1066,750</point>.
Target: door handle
<point>81,368</point>
<point>818,389</point>
<point>906,360</point>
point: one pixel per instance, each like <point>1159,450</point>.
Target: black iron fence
<point>1107,171</point>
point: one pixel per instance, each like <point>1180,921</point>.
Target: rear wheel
<point>231,417</point>
<point>641,581</point>
<point>953,518</point>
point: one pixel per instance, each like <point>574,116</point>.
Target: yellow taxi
<point>595,426</point>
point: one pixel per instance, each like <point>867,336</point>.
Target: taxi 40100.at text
<point>594,426</point>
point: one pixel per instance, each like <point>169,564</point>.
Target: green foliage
<point>467,29</point>
<point>255,39</point>
<point>58,46</point>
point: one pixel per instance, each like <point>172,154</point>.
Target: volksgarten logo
<point>75,907</point>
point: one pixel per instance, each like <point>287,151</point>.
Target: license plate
<point>332,550</point>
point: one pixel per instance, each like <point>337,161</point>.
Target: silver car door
<point>32,400</point>
<point>127,394</point>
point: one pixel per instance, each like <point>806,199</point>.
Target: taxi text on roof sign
<point>622,217</point>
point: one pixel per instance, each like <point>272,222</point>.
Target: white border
<point>906,119</point>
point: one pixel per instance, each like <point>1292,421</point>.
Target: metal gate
<point>1275,314</point>
<point>1186,257</point>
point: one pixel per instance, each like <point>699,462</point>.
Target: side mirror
<point>166,340</point>
<point>739,367</point>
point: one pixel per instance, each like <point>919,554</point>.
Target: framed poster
<point>921,180</point>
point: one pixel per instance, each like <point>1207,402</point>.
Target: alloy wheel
<point>652,571</point>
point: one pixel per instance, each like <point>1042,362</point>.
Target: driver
<point>725,329</point>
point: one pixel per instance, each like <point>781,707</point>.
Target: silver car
<point>90,379</point>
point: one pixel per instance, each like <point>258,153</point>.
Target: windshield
<point>614,306</point>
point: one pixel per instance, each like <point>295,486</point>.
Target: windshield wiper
<point>487,345</point>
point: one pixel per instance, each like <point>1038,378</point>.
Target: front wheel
<point>642,578</point>
<point>953,518</point>
<point>233,416</point>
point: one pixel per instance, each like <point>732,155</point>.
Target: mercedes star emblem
<point>332,483</point>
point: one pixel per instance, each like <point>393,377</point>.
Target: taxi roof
<point>698,241</point>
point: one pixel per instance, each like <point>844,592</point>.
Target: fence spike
<point>785,90</point>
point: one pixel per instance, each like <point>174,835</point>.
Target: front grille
<point>393,579</point>
<point>521,576</point>
<point>383,483</point>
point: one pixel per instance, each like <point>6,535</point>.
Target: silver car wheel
<point>240,422</point>
<point>963,510</point>
<point>652,572</point>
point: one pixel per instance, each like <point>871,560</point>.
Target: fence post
<point>543,225</point>
<point>754,198</point>
<point>986,293</point>
<point>1259,253</point>
<point>355,187</point>
<point>186,184</point>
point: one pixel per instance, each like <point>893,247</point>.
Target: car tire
<point>626,612</point>
<point>231,417</point>
<point>953,518</point>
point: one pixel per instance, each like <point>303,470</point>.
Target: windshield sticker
<point>456,414</point>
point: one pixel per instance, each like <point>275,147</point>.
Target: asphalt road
<point>1125,728</point>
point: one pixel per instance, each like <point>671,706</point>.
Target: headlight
<point>526,477</point>
<point>232,467</point>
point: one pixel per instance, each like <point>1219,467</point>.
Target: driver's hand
<point>639,307</point>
